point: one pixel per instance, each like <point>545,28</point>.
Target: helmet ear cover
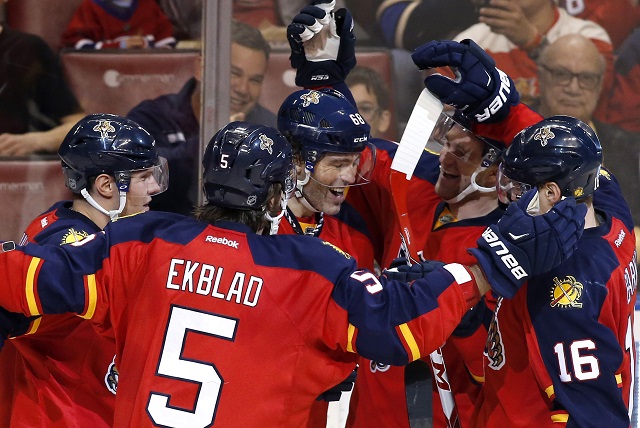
<point>105,144</point>
<point>561,149</point>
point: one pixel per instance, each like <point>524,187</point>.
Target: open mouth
<point>448,175</point>
<point>338,192</point>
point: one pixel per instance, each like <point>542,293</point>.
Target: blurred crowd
<point>566,57</point>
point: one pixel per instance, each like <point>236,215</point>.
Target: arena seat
<point>46,18</point>
<point>279,81</point>
<point>114,81</point>
<point>28,186</point>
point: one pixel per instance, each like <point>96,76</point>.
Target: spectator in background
<point>174,119</point>
<point>617,17</point>
<point>570,73</point>
<point>37,107</point>
<point>408,24</point>
<point>269,16</point>
<point>371,94</point>
<point>126,24</point>
<point>514,32</point>
<point>185,16</point>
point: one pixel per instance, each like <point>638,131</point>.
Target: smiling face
<point>248,67</point>
<point>331,175</point>
<point>570,75</point>
<point>460,156</point>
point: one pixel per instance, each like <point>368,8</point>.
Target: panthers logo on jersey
<point>494,348</point>
<point>566,293</point>
<point>111,378</point>
<point>72,236</point>
<point>345,254</point>
<point>378,367</point>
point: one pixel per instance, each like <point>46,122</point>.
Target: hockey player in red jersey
<point>61,373</point>
<point>218,289</point>
<point>383,394</point>
<point>559,353</point>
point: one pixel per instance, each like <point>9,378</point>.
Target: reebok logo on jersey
<point>501,250</point>
<point>223,241</point>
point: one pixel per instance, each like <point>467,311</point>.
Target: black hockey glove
<point>401,271</point>
<point>480,90</point>
<point>322,44</point>
<point>521,245</point>
<point>335,393</point>
<point>13,324</point>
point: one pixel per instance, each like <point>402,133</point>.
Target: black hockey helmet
<point>561,149</point>
<point>241,162</point>
<point>108,144</point>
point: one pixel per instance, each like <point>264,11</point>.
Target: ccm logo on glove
<point>507,258</point>
<point>499,100</point>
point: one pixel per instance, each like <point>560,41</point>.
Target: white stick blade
<point>421,124</point>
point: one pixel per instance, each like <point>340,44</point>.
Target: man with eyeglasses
<point>570,74</point>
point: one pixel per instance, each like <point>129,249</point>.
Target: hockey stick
<point>421,123</point>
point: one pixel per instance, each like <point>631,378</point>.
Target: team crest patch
<point>251,200</point>
<point>345,254</point>
<point>72,236</point>
<point>578,192</point>
<point>266,143</point>
<point>544,135</point>
<point>566,293</point>
<point>104,127</point>
<point>111,378</point>
<point>310,98</point>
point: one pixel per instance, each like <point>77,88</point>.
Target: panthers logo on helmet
<point>266,143</point>
<point>111,378</point>
<point>566,293</point>
<point>310,98</point>
<point>104,127</point>
<point>494,348</point>
<point>345,254</point>
<point>543,135</point>
<point>72,236</point>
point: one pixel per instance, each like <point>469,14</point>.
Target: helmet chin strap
<point>472,187</point>
<point>275,221</point>
<point>113,214</point>
<point>299,191</point>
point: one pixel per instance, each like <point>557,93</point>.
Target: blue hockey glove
<point>401,271</point>
<point>335,393</point>
<point>322,44</point>
<point>521,245</point>
<point>473,319</point>
<point>480,90</point>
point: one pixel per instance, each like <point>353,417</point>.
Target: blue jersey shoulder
<point>301,252</point>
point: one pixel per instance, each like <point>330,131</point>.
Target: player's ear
<point>552,193</point>
<point>105,186</point>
